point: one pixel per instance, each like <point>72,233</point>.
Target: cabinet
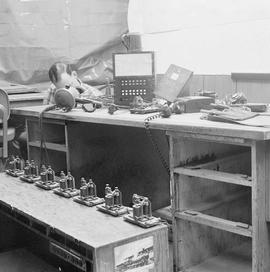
<point>54,150</point>
<point>220,203</point>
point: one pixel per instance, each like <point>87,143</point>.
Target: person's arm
<point>90,91</point>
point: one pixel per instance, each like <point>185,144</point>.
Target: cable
<point>153,141</point>
<point>42,140</point>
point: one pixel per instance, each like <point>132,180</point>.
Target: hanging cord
<point>42,138</point>
<point>153,141</point>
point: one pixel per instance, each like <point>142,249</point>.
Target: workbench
<point>113,149</point>
<point>219,187</point>
<point>89,239</point>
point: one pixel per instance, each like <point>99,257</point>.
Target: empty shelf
<point>215,222</point>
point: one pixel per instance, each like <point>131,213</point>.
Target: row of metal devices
<point>64,185</point>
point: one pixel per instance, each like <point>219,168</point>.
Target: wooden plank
<point>194,124</point>
<point>215,175</point>
<point>261,246</point>
<point>26,97</point>
<point>67,149</point>
<point>215,222</point>
<point>211,138</point>
<point>188,123</point>
<point>27,126</point>
<point>174,201</point>
<point>267,185</point>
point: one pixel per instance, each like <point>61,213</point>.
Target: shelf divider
<point>215,222</point>
<point>52,146</point>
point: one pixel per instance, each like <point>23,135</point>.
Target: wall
<point>255,89</point>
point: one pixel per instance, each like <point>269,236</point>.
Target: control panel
<point>134,75</point>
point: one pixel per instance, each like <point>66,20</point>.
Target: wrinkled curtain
<point>205,36</point>
<point>36,33</point>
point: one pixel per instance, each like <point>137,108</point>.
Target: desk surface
<point>190,123</point>
<point>85,224</point>
<point>26,97</point>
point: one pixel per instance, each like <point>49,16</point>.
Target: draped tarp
<point>205,36</point>
<point>36,33</point>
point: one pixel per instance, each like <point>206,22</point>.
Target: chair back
<point>4,101</point>
<point>4,116</point>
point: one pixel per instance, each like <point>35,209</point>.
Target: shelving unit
<point>219,203</point>
<point>55,147</point>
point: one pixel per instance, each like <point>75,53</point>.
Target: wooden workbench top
<point>190,123</point>
<point>85,224</point>
<point>26,96</point>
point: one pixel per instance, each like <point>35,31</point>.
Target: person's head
<point>61,76</point>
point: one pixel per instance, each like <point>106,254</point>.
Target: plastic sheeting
<point>205,36</point>
<point>36,33</point>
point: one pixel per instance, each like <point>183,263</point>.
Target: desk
<point>94,236</point>
<point>220,195</point>
<point>229,148</point>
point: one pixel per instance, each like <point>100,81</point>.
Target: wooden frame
<point>253,255</point>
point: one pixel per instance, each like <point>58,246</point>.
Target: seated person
<point>61,76</point>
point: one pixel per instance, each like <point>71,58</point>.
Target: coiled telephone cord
<point>153,141</point>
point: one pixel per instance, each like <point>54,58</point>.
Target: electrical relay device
<point>142,213</point>
<point>113,202</point>
<point>88,194</point>
<point>66,186</point>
